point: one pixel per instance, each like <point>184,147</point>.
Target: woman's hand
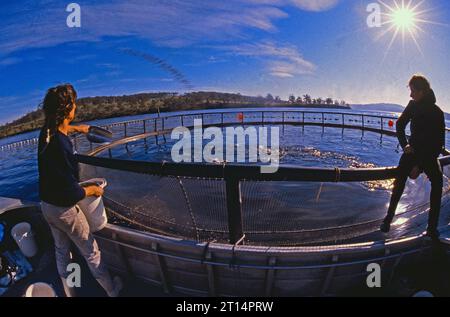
<point>82,128</point>
<point>93,190</point>
<point>408,149</point>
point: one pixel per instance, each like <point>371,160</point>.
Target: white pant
<point>69,224</point>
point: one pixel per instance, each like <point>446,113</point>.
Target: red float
<point>391,123</point>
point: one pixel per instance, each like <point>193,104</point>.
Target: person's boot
<point>118,286</point>
<point>432,234</point>
<point>385,226</point>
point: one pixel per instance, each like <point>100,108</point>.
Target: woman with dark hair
<point>60,191</point>
<point>421,152</point>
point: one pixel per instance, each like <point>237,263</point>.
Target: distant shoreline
<point>88,110</point>
<point>36,125</point>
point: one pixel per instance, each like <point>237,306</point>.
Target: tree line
<point>102,107</point>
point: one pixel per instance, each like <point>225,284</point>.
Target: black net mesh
<point>305,213</point>
<point>183,207</point>
<point>273,213</point>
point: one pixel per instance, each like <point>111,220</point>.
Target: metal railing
<point>368,122</point>
<point>19,144</point>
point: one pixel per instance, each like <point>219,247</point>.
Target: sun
<point>404,18</point>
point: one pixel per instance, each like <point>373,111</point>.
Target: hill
<point>103,107</point>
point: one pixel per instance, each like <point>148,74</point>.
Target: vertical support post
<point>329,276</point>
<point>303,121</point>
<point>234,199</point>
<point>145,131</point>
<point>222,117</point>
<point>323,122</point>
<point>156,130</point>
<point>120,252</point>
<point>162,269</point>
<point>125,129</point>
<point>163,119</point>
<point>394,267</point>
<point>362,126</point>
<point>270,275</point>
<point>382,127</point>
<point>387,252</point>
<point>182,120</point>
<point>211,276</point>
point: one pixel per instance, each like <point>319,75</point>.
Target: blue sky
<point>321,47</point>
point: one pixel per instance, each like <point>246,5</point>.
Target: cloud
<point>315,5</point>
<point>283,61</point>
<point>174,23</point>
<point>13,106</point>
<point>108,66</point>
<point>10,61</point>
<point>306,5</point>
<point>5,101</point>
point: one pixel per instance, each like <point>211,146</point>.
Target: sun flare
<point>404,18</point>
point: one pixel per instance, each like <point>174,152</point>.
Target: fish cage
<point>227,229</point>
<point>227,202</point>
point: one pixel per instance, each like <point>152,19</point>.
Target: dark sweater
<point>58,171</point>
<point>427,127</point>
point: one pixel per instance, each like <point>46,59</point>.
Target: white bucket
<point>93,207</point>
<point>40,290</point>
<point>24,238</point>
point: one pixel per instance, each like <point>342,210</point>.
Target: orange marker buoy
<point>391,123</point>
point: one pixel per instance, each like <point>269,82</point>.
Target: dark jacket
<point>58,171</point>
<point>427,127</point>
